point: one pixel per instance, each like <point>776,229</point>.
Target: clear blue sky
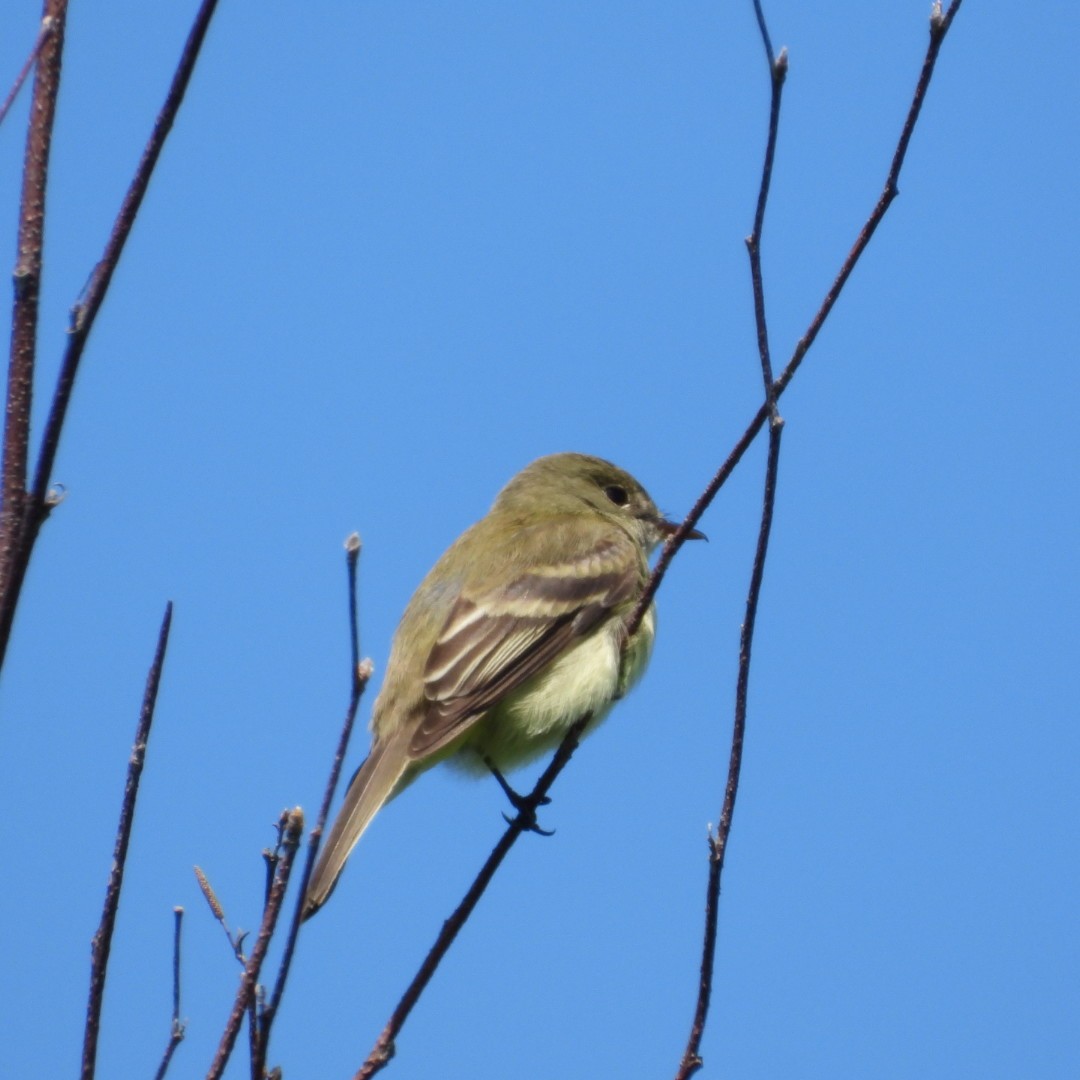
<point>392,253</point>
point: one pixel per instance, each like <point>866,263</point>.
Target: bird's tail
<point>374,782</point>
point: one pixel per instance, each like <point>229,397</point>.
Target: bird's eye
<point>617,494</point>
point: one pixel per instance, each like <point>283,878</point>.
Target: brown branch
<point>384,1047</point>
<point>24,512</point>
<point>246,994</point>
<point>44,31</point>
<point>691,1061</point>
<point>177,1029</point>
<point>524,821</point>
<point>102,941</point>
<point>27,287</point>
<point>360,675</point>
<point>777,72</point>
<point>939,27</point>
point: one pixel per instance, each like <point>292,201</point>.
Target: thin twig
<point>28,511</point>
<point>177,1029</point>
<point>384,1046</point>
<point>27,283</point>
<point>939,27</point>
<point>691,1060</point>
<point>102,941</point>
<point>178,923</point>
<point>253,1033</point>
<point>777,73</point>
<point>360,674</point>
<point>245,995</point>
<point>271,856</point>
<point>525,820</point>
<point>44,31</point>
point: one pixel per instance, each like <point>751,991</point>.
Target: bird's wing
<point>493,642</point>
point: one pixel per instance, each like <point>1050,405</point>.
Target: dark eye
<point>617,494</point>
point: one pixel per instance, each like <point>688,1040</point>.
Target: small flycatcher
<point>518,632</point>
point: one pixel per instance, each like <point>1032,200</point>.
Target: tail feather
<point>374,782</point>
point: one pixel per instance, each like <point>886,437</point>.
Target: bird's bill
<point>670,528</point>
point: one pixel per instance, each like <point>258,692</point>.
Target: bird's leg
<point>523,804</point>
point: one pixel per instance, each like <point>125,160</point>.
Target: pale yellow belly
<point>586,681</point>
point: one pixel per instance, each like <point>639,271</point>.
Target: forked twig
<point>691,1061</point>
<point>939,27</point>
<point>246,994</point>
<point>24,511</point>
<point>360,675</point>
<point>102,941</point>
<point>940,24</point>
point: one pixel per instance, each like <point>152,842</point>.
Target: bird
<point>518,632</point>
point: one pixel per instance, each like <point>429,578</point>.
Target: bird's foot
<point>523,804</point>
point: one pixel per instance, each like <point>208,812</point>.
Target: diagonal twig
<point>691,1061</point>
<point>46,28</point>
<point>24,511</point>
<point>102,942</point>
<point>524,821</point>
<point>246,994</point>
<point>939,27</point>
<point>384,1047</point>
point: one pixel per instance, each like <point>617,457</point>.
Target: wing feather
<point>492,644</point>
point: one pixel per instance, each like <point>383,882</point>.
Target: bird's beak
<point>670,528</point>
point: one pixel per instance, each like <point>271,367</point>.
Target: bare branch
<point>271,856</point>
<point>939,27</point>
<point>777,72</point>
<point>524,821</point>
<point>177,1029</point>
<point>360,674</point>
<point>691,1060</point>
<point>384,1047</point>
<point>27,283</point>
<point>246,994</point>
<point>102,941</point>
<point>24,512</point>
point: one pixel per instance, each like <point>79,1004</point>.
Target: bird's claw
<point>530,822</point>
<point>525,805</point>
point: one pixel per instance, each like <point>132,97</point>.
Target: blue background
<point>391,254</point>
